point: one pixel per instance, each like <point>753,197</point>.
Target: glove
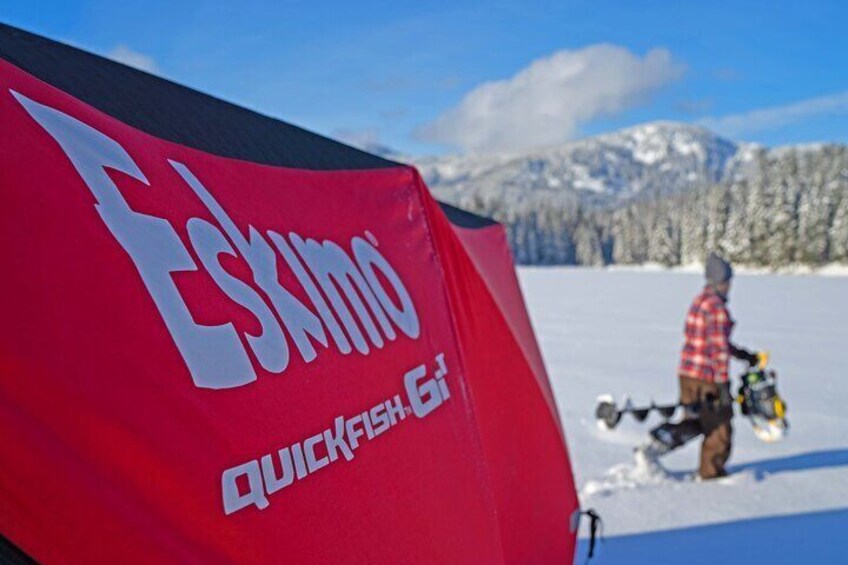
<point>752,358</point>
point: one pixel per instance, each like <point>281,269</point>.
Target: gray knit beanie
<point>717,270</point>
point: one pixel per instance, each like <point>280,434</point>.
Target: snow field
<point>619,332</point>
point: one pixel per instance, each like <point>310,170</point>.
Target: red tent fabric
<point>213,355</point>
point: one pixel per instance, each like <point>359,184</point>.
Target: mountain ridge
<point>660,192</point>
<point>655,157</point>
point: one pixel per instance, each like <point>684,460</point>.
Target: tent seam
<point>419,188</point>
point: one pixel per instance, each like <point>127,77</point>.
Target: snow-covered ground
<point>619,332</point>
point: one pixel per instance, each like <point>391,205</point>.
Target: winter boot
<point>648,454</point>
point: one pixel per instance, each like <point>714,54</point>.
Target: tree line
<point>784,207</point>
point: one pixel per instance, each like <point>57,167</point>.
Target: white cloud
<point>547,101</point>
<point>127,56</point>
<point>736,125</point>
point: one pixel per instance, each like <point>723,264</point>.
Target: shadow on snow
<point>816,537</point>
<point>801,462</point>
<point>761,469</point>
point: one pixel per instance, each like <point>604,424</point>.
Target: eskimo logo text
<point>345,292</point>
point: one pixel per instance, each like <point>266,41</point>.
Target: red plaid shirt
<point>706,352</point>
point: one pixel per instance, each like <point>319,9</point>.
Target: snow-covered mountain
<point>660,156</point>
<point>661,192</point>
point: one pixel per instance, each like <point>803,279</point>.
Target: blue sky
<point>430,77</point>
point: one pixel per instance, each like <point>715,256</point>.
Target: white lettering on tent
<point>338,443</point>
<point>214,354</point>
<point>426,394</point>
<point>234,499</point>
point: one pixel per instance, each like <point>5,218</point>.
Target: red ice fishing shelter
<point>225,338</point>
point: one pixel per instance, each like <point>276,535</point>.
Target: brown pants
<point>713,421</point>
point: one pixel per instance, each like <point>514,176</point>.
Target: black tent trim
<point>10,554</point>
<point>179,114</point>
<point>176,113</point>
<point>465,219</point>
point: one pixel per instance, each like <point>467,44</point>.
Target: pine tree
<point>664,237</point>
<point>588,244</point>
<point>694,214</point>
<point>735,241</point>
<point>839,231</point>
<point>814,215</point>
<point>718,213</point>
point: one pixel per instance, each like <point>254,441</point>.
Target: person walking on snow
<point>703,375</point>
